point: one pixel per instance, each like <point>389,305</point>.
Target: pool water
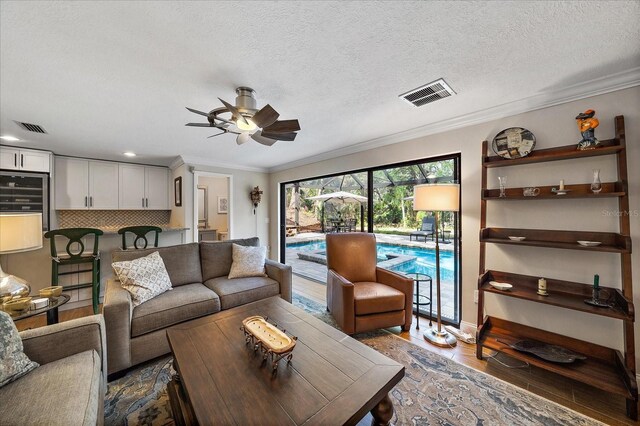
<point>425,262</point>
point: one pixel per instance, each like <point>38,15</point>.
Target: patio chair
<point>427,229</point>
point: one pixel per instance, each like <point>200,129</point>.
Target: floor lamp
<point>437,198</point>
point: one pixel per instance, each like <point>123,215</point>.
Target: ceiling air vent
<point>428,93</point>
<point>31,127</point>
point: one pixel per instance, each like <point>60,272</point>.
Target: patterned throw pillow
<point>248,262</point>
<point>13,362</point>
<point>144,278</point>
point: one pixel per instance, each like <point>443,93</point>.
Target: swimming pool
<point>425,262</point>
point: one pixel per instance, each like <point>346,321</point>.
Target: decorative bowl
<point>49,292</point>
<point>16,305</point>
<point>512,238</point>
<point>589,243</point>
<point>500,286</point>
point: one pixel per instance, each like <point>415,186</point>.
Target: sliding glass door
<point>378,200</point>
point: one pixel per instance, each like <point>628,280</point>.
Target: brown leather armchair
<point>360,296</point>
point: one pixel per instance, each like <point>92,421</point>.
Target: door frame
<point>194,189</point>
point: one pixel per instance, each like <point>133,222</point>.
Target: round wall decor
<point>514,142</point>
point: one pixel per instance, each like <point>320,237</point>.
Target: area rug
<point>434,391</point>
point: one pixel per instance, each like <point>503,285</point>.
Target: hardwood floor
<point>589,401</point>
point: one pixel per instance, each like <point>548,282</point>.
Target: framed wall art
<point>223,205</point>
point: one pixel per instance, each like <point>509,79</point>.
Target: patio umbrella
<point>345,197</point>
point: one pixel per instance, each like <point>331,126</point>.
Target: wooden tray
<point>272,338</point>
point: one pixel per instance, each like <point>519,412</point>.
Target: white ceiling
<point>107,77</point>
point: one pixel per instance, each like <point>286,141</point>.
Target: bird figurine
<point>587,124</point>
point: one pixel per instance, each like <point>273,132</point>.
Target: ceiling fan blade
<point>206,114</point>
<point>243,138</point>
<point>199,125</point>
<point>234,111</point>
<point>257,136</point>
<point>283,126</point>
<point>265,117</point>
<point>280,136</point>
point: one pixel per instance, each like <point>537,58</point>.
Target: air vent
<point>31,127</point>
<point>428,93</point>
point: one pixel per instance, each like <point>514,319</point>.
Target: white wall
<point>553,126</point>
<point>243,223</point>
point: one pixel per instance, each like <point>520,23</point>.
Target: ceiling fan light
<point>248,126</point>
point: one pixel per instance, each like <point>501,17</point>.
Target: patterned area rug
<point>434,391</point>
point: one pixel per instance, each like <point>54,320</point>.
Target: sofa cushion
<point>375,298</point>
<point>145,277</point>
<point>248,262</point>
<point>182,261</point>
<point>66,392</point>
<point>239,291</point>
<point>216,257</point>
<point>181,304</point>
<point>13,361</point>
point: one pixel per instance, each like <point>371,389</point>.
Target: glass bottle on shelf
<point>596,185</point>
<point>503,186</point>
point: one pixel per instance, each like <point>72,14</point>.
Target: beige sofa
<point>69,386</point>
<point>198,273</point>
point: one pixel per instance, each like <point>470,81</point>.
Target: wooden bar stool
<point>141,236</point>
<point>76,255</point>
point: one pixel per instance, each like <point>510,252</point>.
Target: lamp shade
<point>437,197</point>
<point>20,232</point>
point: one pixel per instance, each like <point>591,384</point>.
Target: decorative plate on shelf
<point>500,286</point>
<point>514,142</point>
<point>589,243</point>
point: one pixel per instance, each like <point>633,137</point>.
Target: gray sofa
<point>198,273</point>
<point>69,386</point>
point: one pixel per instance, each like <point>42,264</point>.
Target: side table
<point>420,300</point>
<point>51,310</point>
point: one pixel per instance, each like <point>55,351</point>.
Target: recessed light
<point>9,138</point>
<point>129,154</point>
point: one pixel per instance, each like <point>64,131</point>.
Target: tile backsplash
<point>111,218</point>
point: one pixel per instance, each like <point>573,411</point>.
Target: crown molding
<point>177,162</point>
<point>586,89</point>
<point>198,161</point>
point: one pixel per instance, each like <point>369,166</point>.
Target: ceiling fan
<point>248,122</point>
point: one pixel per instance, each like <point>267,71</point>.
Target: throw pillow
<point>13,362</point>
<point>145,277</point>
<point>248,261</point>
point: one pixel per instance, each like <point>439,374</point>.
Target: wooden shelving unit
<point>605,368</point>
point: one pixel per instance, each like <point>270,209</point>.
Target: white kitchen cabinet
<point>144,187</point>
<point>71,183</point>
<point>85,184</point>
<point>131,186</point>
<point>24,159</point>
<point>156,184</point>
<point>103,185</point>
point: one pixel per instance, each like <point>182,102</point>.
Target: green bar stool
<point>141,236</point>
<point>75,255</point>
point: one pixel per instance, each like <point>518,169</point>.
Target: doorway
<point>212,207</point>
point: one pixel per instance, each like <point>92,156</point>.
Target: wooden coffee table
<point>332,380</point>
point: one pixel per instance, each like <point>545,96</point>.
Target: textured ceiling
<point>107,77</point>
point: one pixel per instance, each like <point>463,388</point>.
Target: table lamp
<point>19,232</point>
<point>437,198</point>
